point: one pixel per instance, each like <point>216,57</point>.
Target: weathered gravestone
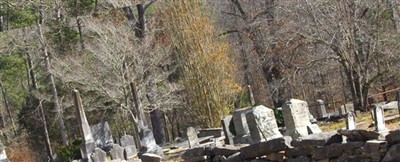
<point>215,132</point>
<point>99,155</point>
<point>242,132</point>
<point>88,144</point>
<point>225,125</point>
<point>102,135</point>
<point>346,108</point>
<point>148,143</point>
<point>117,152</point>
<point>128,143</point>
<point>262,124</point>
<point>3,155</point>
<point>240,122</point>
<point>296,117</point>
<point>390,106</point>
<point>379,120</point>
<point>192,137</point>
<point>350,121</point>
<point>321,109</point>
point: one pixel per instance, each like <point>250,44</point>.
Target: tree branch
<point>149,4</point>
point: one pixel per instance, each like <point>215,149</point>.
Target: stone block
<point>198,151</point>
<point>393,137</point>
<point>148,157</point>
<point>359,135</point>
<point>263,148</point>
<point>320,139</point>
<point>393,154</point>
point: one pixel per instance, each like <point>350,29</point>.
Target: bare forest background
<point>183,63</point>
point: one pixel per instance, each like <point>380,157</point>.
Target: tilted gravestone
<point>262,124</point>
<point>379,120</point>
<point>350,121</point>
<point>321,109</point>
<point>148,143</point>
<point>88,144</point>
<point>225,125</point>
<point>296,117</point>
<point>3,155</point>
<point>102,135</point>
<point>117,152</point>
<point>128,143</point>
<point>99,155</point>
<point>192,137</point>
<point>239,120</point>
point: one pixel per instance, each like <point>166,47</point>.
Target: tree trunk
<point>1,18</point>
<point>79,23</point>
<point>46,133</point>
<point>5,99</point>
<point>158,126</point>
<point>141,24</point>
<point>394,4</point>
<point>8,15</point>
<point>31,70</point>
<point>63,130</point>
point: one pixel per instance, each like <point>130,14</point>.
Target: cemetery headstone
<point>148,143</point>
<point>102,135</point>
<point>346,108</point>
<point>215,132</point>
<point>321,109</point>
<point>239,120</point>
<point>192,137</point>
<point>262,124</point>
<point>3,155</point>
<point>128,143</point>
<point>225,126</point>
<point>296,117</point>
<point>350,121</point>
<point>390,106</point>
<point>88,144</point>
<point>379,120</point>
<point>117,152</point>
<point>99,155</point>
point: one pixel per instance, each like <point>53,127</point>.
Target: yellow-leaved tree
<point>206,70</point>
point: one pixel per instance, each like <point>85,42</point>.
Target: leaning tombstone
<point>262,124</point>
<point>350,121</point>
<point>88,144</point>
<point>321,109</point>
<point>239,120</point>
<point>102,135</point>
<point>192,137</point>
<point>3,155</point>
<point>117,152</point>
<point>99,155</point>
<point>225,126</point>
<point>128,143</point>
<point>148,143</point>
<point>379,120</point>
<point>296,117</point>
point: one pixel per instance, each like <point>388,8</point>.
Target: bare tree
<point>355,34</point>
<point>52,84</point>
